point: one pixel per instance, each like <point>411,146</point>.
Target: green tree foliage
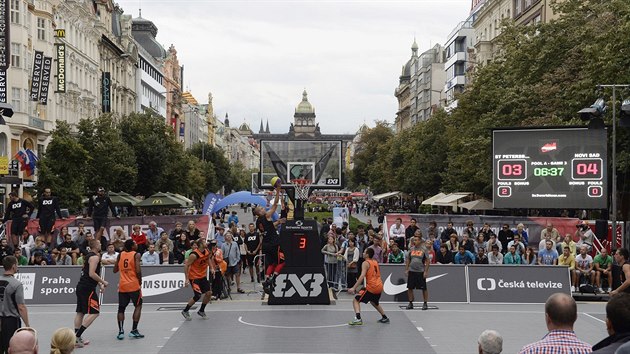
<point>372,158</point>
<point>63,167</point>
<point>217,167</point>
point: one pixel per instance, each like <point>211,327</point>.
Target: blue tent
<point>237,198</point>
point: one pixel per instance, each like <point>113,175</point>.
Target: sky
<point>256,57</point>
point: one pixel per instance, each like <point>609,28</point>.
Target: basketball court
<point>246,325</point>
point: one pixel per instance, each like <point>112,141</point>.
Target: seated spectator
<point>62,341</point>
<point>176,231</point>
<point>22,260</point>
<point>193,232</point>
<point>436,244</point>
<point>150,257</point>
<point>523,236</point>
<point>542,244</point>
<point>481,257</point>
<point>464,257</point>
<point>468,244</point>
<point>27,242</point>
<point>493,241</point>
<point>24,341</point>
<point>487,232</point>
<point>480,243</point>
<point>71,248</point>
<point>518,245</point>
<point>154,232</point>
<point>109,257</point>
<point>453,244</point>
<point>505,236</point>
<point>560,315</point>
<point>79,235</point>
<point>396,256</point>
<point>62,258</point>
<point>617,324</point>
<point>583,267</point>
<point>490,342</point>
<point>585,235</point>
<point>444,256</point>
<point>164,240</point>
<point>118,239</point>
<point>568,241</point>
<point>512,257</point>
<point>140,238</point>
<point>428,244</point>
<point>166,256</point>
<point>38,258</point>
<point>5,249</point>
<point>182,245</point>
<point>495,257</point>
<point>470,231</point>
<point>602,264</point>
<point>548,255</point>
<point>567,259</point>
<point>553,234</point>
<point>529,257</point>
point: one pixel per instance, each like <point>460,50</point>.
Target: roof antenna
<point>140,8</point>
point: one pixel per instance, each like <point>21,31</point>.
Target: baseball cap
<point>101,189</point>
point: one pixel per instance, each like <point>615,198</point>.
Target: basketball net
<point>302,187</point>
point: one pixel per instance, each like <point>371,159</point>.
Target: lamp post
<point>597,110</point>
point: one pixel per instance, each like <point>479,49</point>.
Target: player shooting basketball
<point>270,239</point>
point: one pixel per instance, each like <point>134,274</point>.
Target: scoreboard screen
<point>563,168</point>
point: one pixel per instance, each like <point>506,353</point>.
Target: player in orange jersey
<point>129,287</point>
<point>372,292</point>
<point>196,273</point>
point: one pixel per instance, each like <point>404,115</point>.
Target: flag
<point>21,157</point>
<point>209,202</point>
<point>31,163</point>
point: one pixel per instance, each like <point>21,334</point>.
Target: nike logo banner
<point>446,283</point>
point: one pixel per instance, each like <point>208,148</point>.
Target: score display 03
<point>550,168</point>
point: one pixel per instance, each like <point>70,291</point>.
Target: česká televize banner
<point>36,78</point>
<point>445,282</point>
<point>43,91</point>
<point>516,283</point>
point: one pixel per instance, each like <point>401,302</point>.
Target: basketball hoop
<point>302,187</point>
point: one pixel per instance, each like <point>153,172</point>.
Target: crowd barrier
<point>164,284</point>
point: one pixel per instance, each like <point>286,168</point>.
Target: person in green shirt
<point>22,260</point>
<point>396,255</point>
<point>603,267</point>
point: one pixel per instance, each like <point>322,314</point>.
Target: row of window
<point>149,69</point>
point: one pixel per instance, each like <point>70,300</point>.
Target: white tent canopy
<point>430,201</point>
<point>451,199</point>
<point>479,204</point>
<point>386,195</point>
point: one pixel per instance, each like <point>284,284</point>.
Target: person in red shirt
<point>140,238</point>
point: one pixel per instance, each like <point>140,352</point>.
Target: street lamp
<point>594,113</point>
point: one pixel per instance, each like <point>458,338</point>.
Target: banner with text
<point>161,284</point>
<point>445,282</point>
<point>43,91</point>
<point>106,97</point>
<point>36,78</point>
<point>5,46</point>
<point>49,284</point>
<point>516,284</point>
<point>60,80</point>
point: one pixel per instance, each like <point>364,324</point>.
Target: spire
<point>267,129</point>
<point>261,131</point>
<point>414,47</point>
<point>304,96</point>
<point>227,121</point>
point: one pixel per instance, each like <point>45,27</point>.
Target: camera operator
<point>585,236</point>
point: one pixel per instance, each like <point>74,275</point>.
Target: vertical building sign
<point>36,79</point>
<point>106,94</point>
<point>5,55</point>
<point>182,131</point>
<point>174,123</point>
<point>43,91</point>
<point>60,81</point>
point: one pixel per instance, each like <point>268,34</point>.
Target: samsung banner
<point>161,284</point>
<point>43,91</point>
<point>60,81</point>
<point>36,79</point>
<point>445,282</point>
<point>5,45</point>
<point>106,93</point>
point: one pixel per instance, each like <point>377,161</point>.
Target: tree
<point>62,167</point>
<point>368,166</point>
<point>218,170</point>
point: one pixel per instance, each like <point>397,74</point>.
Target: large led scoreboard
<point>563,168</point>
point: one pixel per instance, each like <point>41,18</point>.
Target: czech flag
<point>31,162</point>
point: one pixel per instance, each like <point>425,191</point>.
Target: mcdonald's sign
<point>60,33</point>
<point>157,201</point>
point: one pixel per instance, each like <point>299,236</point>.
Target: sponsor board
<point>516,284</point>
<point>49,284</point>
<point>446,283</point>
<point>161,284</point>
<point>300,286</point>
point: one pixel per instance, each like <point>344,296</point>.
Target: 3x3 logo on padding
<point>486,284</point>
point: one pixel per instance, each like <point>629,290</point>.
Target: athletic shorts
<point>272,253</point>
<point>46,225</point>
<point>365,297</point>
<point>234,269</point>
<point>200,286</point>
<point>135,297</point>
<point>18,225</point>
<point>416,280</point>
<point>87,301</point>
<point>98,222</point>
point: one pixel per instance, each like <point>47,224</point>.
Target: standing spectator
<point>109,257</point>
<point>617,325</point>
<point>62,341</point>
<point>396,256</point>
<point>22,261</point>
<point>621,258</point>
<point>150,257</point>
<point>603,267</point>
<point>417,269</point>
<point>464,257</point>
<point>377,247</point>
<point>118,239</point>
<point>512,257</point>
<point>567,259</point>
<point>98,209</point>
<point>177,231</point>
<point>19,211</point>
<point>330,252</point>
<point>12,307</point>
<point>218,235</point>
<point>548,255</point>
<point>351,256</point>
<point>5,249</point>
<point>560,315</point>
<point>46,209</point>
<point>182,245</point>
<point>529,257</point>
<point>490,342</point>
<point>505,236</point>
<point>446,234</point>
<point>522,233</point>
<point>397,233</point>
<point>518,245</point>
<point>444,256</point>
<point>495,257</point>
<point>233,219</point>
<point>166,256</point>
<point>154,232</point>
<point>232,255</point>
<point>140,238</point>
<point>27,242</point>
<point>410,231</point>
<point>192,231</point>
<point>583,267</point>
<point>481,257</point>
<point>79,235</point>
<point>164,240</point>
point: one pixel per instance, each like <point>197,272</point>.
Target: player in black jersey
<point>270,240</point>
<point>19,211</point>
<point>253,245</point>
<point>47,207</point>
<point>87,298</point>
<point>621,258</point>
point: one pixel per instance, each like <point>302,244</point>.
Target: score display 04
<point>550,168</point>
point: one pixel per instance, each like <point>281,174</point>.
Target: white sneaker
<point>601,290</point>
<point>572,288</point>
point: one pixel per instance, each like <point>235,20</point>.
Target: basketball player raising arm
<point>270,240</point>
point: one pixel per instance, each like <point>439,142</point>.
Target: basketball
<point>276,182</point>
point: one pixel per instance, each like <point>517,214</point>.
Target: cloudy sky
<point>256,57</point>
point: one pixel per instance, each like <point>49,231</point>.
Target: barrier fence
<point>446,283</point>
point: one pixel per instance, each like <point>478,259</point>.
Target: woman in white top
<point>27,242</point>
<point>351,256</point>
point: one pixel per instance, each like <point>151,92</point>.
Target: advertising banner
<point>49,284</point>
<point>60,80</point>
<point>161,284</point>
<point>43,91</point>
<point>516,284</point>
<point>340,215</point>
<point>36,79</point>
<point>106,98</point>
<point>446,283</point>
<point>5,38</point>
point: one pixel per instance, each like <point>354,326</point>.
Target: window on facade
<point>41,29</point>
<point>16,55</point>
<point>15,11</point>
<point>517,7</point>
<point>528,3</point>
<point>16,99</point>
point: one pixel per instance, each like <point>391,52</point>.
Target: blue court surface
<point>245,325</point>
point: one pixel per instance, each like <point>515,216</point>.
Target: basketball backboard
<point>319,161</point>
<point>256,190</point>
